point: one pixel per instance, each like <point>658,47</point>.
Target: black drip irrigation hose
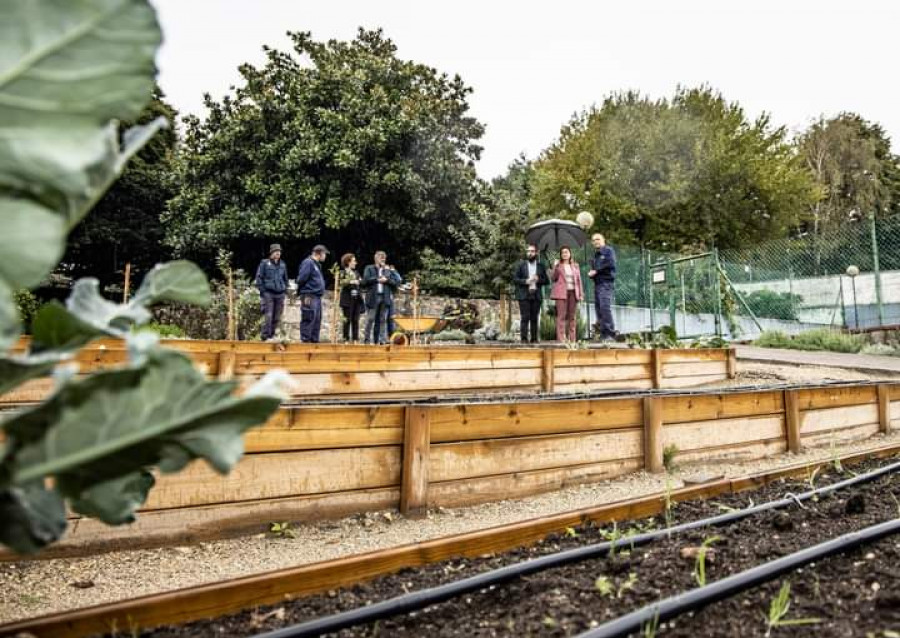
<point>737,583</point>
<point>423,598</point>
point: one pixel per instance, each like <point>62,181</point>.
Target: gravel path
<point>33,588</point>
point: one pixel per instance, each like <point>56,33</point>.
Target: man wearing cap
<point>310,288</point>
<point>271,281</point>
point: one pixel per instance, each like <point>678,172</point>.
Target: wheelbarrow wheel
<point>399,339</point>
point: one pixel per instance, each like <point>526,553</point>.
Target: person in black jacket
<point>352,302</point>
<point>530,274</point>
<point>272,281</point>
<point>603,272</point>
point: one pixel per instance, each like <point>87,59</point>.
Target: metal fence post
<point>717,286</point>
<point>877,270</point>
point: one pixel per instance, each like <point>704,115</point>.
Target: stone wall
<point>489,310</point>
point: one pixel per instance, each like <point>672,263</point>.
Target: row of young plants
<point>578,596</point>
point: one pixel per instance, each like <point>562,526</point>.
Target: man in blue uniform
<point>310,288</point>
<point>603,272</point>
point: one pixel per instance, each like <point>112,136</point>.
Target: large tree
<point>125,226</point>
<point>490,239</point>
<point>679,174</point>
<point>851,160</point>
<point>336,141</point>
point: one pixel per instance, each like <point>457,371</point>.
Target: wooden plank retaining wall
<point>313,462</point>
<point>332,371</point>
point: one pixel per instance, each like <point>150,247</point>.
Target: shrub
<point>212,322</point>
<point>774,305</point>
<point>165,330</point>
<point>880,349</point>
<point>28,306</point>
<point>450,335</point>
<point>818,339</point>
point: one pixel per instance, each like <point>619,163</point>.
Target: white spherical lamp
<point>585,219</point>
<point>852,271</point>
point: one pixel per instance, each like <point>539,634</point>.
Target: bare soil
<point>842,593</point>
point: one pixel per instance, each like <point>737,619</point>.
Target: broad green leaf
<point>88,305</point>
<point>115,422</point>
<point>54,327</point>
<point>114,502</point>
<point>31,243</point>
<point>180,281</point>
<point>66,70</point>
<point>32,517</point>
<point>9,317</point>
<point>15,371</point>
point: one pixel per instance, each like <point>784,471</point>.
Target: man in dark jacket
<point>603,272</point>
<point>272,281</point>
<point>310,288</point>
<point>530,274</point>
<point>380,282</point>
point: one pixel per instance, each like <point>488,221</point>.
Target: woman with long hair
<point>352,302</point>
<point>567,292</point>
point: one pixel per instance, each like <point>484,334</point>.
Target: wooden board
<point>272,440</point>
<point>484,421</point>
<point>690,382</point>
<point>580,358</point>
<point>465,492</point>
<point>262,476</point>
<point>699,435</point>
<point>401,360</point>
<point>814,398</point>
<point>827,419</point>
<point>375,383</point>
<point>695,369</point>
<point>842,436</point>
<point>739,452</point>
<point>691,355</point>
<point>705,407</point>
<point>592,374</point>
<point>340,417</point>
<point>451,461</point>
<point>594,386</point>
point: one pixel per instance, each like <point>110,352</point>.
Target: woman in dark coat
<point>352,302</point>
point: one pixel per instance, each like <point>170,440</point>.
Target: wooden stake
<point>548,357</point>
<point>884,408</point>
<point>335,302</point>
<point>732,363</point>
<point>792,421</point>
<point>231,329</point>
<point>414,473</point>
<point>415,301</point>
<point>127,282</point>
<point>226,364</point>
<point>653,445</point>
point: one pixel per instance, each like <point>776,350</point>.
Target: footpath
<point>862,362</point>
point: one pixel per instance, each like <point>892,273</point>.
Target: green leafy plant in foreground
<point>92,445</point>
<point>779,608</point>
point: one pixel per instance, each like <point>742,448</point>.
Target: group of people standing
<point>567,290</point>
<point>371,294</point>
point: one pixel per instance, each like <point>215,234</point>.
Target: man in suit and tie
<point>380,282</point>
<point>529,276</point>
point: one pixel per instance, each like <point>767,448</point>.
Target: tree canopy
<point>676,174</point>
<point>331,140</point>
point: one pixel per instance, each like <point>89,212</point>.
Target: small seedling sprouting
<point>627,584</point>
<point>669,454</point>
<point>778,609</point>
<point>613,536</point>
<point>835,459</point>
<point>725,508</point>
<point>700,563</point>
<point>604,586</point>
<point>668,502</point>
<point>282,530</point>
<point>811,480</point>
<point>651,627</point>
<point>572,533</point>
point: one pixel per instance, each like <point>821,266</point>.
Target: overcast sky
<point>533,64</point>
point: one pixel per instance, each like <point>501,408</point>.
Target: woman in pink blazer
<point>567,292</point>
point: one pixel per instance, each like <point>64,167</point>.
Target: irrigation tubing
<point>735,584</point>
<point>423,598</point>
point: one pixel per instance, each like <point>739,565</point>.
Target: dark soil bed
<point>568,600</point>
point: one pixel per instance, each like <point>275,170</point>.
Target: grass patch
<point>819,339</point>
